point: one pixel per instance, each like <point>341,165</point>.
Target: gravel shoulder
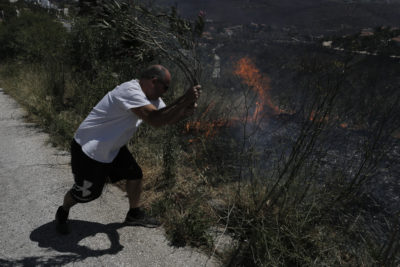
<point>34,178</point>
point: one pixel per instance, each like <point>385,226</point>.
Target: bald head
<point>156,71</point>
<point>155,81</point>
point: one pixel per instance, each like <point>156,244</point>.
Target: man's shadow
<point>47,237</point>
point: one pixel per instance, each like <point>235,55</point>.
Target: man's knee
<point>85,192</point>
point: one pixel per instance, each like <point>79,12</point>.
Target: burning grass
<point>285,215</point>
<point>252,77</point>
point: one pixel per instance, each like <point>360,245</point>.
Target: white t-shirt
<point>111,123</point>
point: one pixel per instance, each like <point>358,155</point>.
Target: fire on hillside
<point>259,83</point>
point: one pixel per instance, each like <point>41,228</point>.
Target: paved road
<point>34,178</point>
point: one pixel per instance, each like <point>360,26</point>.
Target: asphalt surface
<point>34,178</point>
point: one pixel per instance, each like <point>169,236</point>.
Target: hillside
<point>307,15</point>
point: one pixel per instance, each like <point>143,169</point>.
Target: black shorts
<point>91,175</point>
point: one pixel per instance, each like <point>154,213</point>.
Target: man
<point>99,152</point>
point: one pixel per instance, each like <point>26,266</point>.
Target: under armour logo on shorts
<point>84,188</point>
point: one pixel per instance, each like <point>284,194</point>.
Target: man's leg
<point>134,190</point>
<point>62,213</point>
<point>89,177</point>
<point>69,201</point>
<point>136,215</point>
<point>83,191</point>
<point>125,166</point>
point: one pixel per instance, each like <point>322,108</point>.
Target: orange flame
<point>252,77</point>
<point>314,117</point>
<point>318,117</point>
<point>207,129</point>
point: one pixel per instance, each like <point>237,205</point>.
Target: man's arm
<point>172,113</point>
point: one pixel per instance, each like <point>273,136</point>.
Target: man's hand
<point>197,90</point>
<point>180,109</point>
<point>193,94</point>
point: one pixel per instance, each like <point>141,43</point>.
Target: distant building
<point>207,35</point>
<point>396,40</point>
<point>367,32</point>
<point>228,32</point>
<point>217,67</point>
<point>42,3</point>
<point>254,26</point>
<point>327,43</point>
<point>67,25</point>
<point>232,30</point>
<point>45,3</point>
<point>13,1</point>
